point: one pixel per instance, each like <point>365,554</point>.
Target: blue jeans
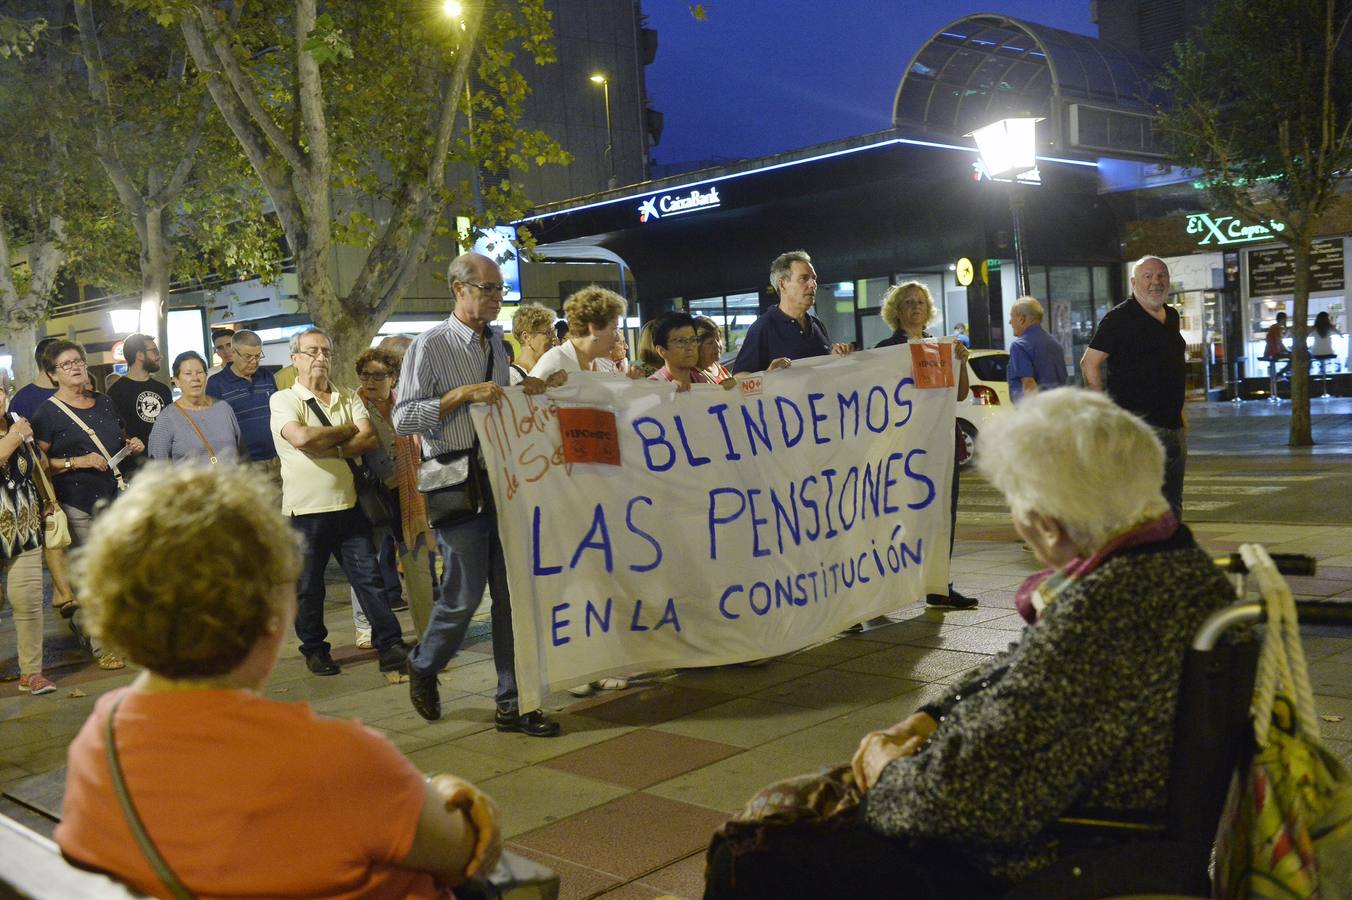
<point>471,553</point>
<point>387,554</point>
<point>346,536</point>
<point>1175,441</point>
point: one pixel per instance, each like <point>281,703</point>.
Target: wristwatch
<point>69,464</point>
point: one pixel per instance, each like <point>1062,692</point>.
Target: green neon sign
<point>1225,230</point>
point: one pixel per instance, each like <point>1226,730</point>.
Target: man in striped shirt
<point>456,363</point>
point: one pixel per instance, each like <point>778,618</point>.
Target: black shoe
<point>951,600</point>
<point>399,606</point>
<point>532,723</point>
<point>426,698</point>
<point>321,663</point>
<point>394,658</point>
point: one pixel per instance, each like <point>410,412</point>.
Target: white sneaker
<point>582,690</point>
<point>364,639</point>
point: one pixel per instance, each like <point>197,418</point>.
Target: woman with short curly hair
<point>593,315</point>
<point>192,575</point>
<point>533,328</point>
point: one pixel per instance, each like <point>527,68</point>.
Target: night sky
<point>761,76</point>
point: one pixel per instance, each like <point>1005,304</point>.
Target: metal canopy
<point>986,67</point>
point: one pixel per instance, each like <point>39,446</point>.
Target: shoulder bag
<point>200,436</point>
<point>373,498</point>
<point>117,473</point>
<point>56,530</point>
<point>450,482</point>
<point>138,828</point>
<point>1286,830</point>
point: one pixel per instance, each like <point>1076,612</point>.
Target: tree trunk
<point>1300,435</point>
<point>23,314</point>
<point>156,261</point>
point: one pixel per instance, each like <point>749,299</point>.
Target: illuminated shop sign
<point>660,205</point>
<point>1223,230</point>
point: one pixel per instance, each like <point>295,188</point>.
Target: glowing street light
<point>1008,149</point>
<point>601,79</point>
<point>453,9</point>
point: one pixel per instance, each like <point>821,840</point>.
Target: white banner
<point>736,525</point>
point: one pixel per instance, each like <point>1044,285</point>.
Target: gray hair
<point>1144,259</point>
<point>782,267</point>
<point>1028,307</point>
<point>396,343</point>
<point>245,338</point>
<point>461,268</point>
<point>295,338</point>
<point>1073,434</point>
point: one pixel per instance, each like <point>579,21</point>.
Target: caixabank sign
<point>677,203</point>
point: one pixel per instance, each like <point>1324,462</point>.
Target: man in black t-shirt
<point>138,397</point>
<point>1139,339</point>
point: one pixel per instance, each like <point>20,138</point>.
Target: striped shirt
<point>449,355</point>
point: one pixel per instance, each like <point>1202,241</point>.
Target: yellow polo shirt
<point>313,485</point>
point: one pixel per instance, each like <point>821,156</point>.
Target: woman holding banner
<point>959,800</point>
<point>593,315</point>
<point>908,308</point>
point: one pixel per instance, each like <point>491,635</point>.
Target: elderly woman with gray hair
<point>959,799</point>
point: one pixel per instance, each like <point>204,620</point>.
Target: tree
<point>1261,104</point>
<point>158,141</point>
<point>350,120</point>
<point>56,215</point>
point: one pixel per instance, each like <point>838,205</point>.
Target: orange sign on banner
<point>933,363</point>
<point>589,436</point>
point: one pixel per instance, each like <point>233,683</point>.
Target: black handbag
<point>373,498</point>
<point>451,482</point>
<point>450,487</point>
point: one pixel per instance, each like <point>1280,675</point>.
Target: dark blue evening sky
<point>761,76</point>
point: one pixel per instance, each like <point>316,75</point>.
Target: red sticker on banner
<point>750,387</point>
<point>932,363</point>
<point>589,436</point>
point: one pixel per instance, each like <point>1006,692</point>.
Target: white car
<point>986,377</point>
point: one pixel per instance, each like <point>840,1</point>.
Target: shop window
<point>835,307</point>
<point>740,311</point>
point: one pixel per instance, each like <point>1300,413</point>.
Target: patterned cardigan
<point>1077,714</point>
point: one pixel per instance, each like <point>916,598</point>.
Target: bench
<point>31,865</point>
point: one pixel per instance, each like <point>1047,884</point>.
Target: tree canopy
<point>1261,105</point>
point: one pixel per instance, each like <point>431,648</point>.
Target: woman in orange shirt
<point>191,575</point>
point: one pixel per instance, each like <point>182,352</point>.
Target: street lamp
<point>599,78</point>
<point>453,9</point>
<point>1008,151</point>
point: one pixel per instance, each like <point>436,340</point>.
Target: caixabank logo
<point>666,205</point>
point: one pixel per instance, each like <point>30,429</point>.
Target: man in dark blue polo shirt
<point>1146,354</point>
<point>1036,360</point>
<point>787,331</point>
<point>247,388</point>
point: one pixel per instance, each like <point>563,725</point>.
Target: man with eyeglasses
<point>317,428</point>
<point>456,363</point>
<point>138,397</point>
<point>247,388</point>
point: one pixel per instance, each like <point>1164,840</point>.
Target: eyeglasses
<point>72,365</point>
<point>373,376</point>
<point>685,342</point>
<point>550,335</point>
<point>317,352</point>
<point>249,357</point>
<point>488,287</point>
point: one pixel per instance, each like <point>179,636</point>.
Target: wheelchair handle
<point>1286,563</point>
<point>1308,612</point>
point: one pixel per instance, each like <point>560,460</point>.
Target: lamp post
<point>1008,151</point>
<point>602,80</point>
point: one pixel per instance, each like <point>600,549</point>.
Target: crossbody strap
<point>93,436</point>
<point>202,437</point>
<point>324,420</point>
<point>138,829</point>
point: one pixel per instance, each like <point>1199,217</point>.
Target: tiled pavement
<point>621,804</point>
